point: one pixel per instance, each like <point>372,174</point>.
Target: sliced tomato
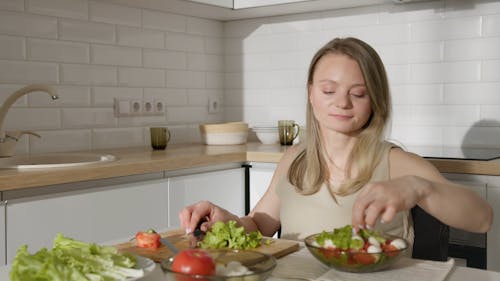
<point>390,250</point>
<point>331,253</point>
<point>148,239</point>
<point>364,258</point>
<point>194,261</point>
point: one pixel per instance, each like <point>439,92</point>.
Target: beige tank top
<point>302,215</point>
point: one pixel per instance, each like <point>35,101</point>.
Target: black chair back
<point>431,236</point>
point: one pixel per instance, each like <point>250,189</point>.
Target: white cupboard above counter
<point>245,9</point>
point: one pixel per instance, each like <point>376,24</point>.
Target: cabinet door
<point>493,241</point>
<point>225,188</point>
<point>261,175</point>
<point>91,214</point>
<point>3,259</point>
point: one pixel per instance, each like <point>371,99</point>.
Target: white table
<point>458,273</point>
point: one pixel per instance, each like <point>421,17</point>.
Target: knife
<point>197,235</point>
<point>170,245</point>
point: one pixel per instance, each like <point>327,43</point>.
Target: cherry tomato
<point>390,250</point>
<point>193,261</point>
<point>148,239</point>
<point>364,258</point>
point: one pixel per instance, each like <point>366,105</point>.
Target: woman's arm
<point>415,181</point>
<point>264,217</point>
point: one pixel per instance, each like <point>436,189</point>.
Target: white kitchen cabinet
<point>261,175</point>
<point>225,188</point>
<point>478,241</point>
<point>95,211</point>
<point>493,241</point>
<point>2,234</point>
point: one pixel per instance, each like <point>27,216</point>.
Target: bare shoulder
<point>407,163</point>
<point>290,153</point>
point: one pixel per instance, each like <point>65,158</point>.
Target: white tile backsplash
<point>32,119</point>
<point>115,14</point>
<point>60,141</point>
<point>138,37</point>
<point>156,58</point>
<point>71,96</point>
<point>490,70</point>
<point>141,77</point>
<point>84,31</point>
<point>12,5</point>
<point>164,21</point>
<point>454,28</point>
<point>103,96</point>
<point>491,25</point>
<point>83,74</point>
<point>88,118</point>
<point>12,23</point>
<point>118,137</point>
<point>185,79</point>
<point>184,42</point>
<point>28,72</point>
<point>204,27</point>
<point>12,47</point>
<point>57,51</point>
<point>112,55</point>
<point>77,9</point>
<point>441,57</point>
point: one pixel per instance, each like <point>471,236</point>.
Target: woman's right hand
<point>191,215</point>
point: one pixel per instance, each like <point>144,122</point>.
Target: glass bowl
<point>351,261</point>
<point>260,266</point>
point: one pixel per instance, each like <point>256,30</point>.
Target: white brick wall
<point>442,58</point>
<point>92,52</point>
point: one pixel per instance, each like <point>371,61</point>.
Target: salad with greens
<point>228,235</point>
<point>74,260</point>
<point>365,250</point>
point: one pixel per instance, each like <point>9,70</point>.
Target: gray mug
<point>160,136</point>
<point>288,131</point>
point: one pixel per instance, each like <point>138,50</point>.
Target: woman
<point>345,173</point>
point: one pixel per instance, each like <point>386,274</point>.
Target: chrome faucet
<point>9,139</point>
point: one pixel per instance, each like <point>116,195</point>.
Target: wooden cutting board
<point>278,247</point>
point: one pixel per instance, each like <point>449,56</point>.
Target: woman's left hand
<point>384,199</point>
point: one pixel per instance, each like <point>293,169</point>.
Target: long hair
<point>309,170</point>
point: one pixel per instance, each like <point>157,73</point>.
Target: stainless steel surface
<point>54,160</point>
<point>170,245</point>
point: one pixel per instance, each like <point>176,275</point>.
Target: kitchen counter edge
<point>143,160</point>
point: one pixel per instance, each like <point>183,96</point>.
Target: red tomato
<point>390,250</point>
<point>194,261</point>
<point>148,239</point>
<point>331,253</point>
<point>364,258</point>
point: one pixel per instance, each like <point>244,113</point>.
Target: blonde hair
<point>309,170</point>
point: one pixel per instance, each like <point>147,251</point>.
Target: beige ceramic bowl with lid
<point>224,133</point>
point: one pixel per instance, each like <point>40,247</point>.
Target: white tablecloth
<point>456,273</point>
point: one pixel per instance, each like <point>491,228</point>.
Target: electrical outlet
<point>213,105</point>
<point>136,107</point>
<point>148,107</point>
<point>159,106</point>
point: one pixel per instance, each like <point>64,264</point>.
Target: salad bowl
<point>367,258</point>
<point>231,265</point>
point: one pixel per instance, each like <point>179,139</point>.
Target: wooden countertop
<point>143,160</point>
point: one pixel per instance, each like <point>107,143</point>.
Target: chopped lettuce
<point>71,259</point>
<point>228,235</point>
<point>342,238</point>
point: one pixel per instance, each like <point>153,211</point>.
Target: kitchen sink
<point>54,160</point>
